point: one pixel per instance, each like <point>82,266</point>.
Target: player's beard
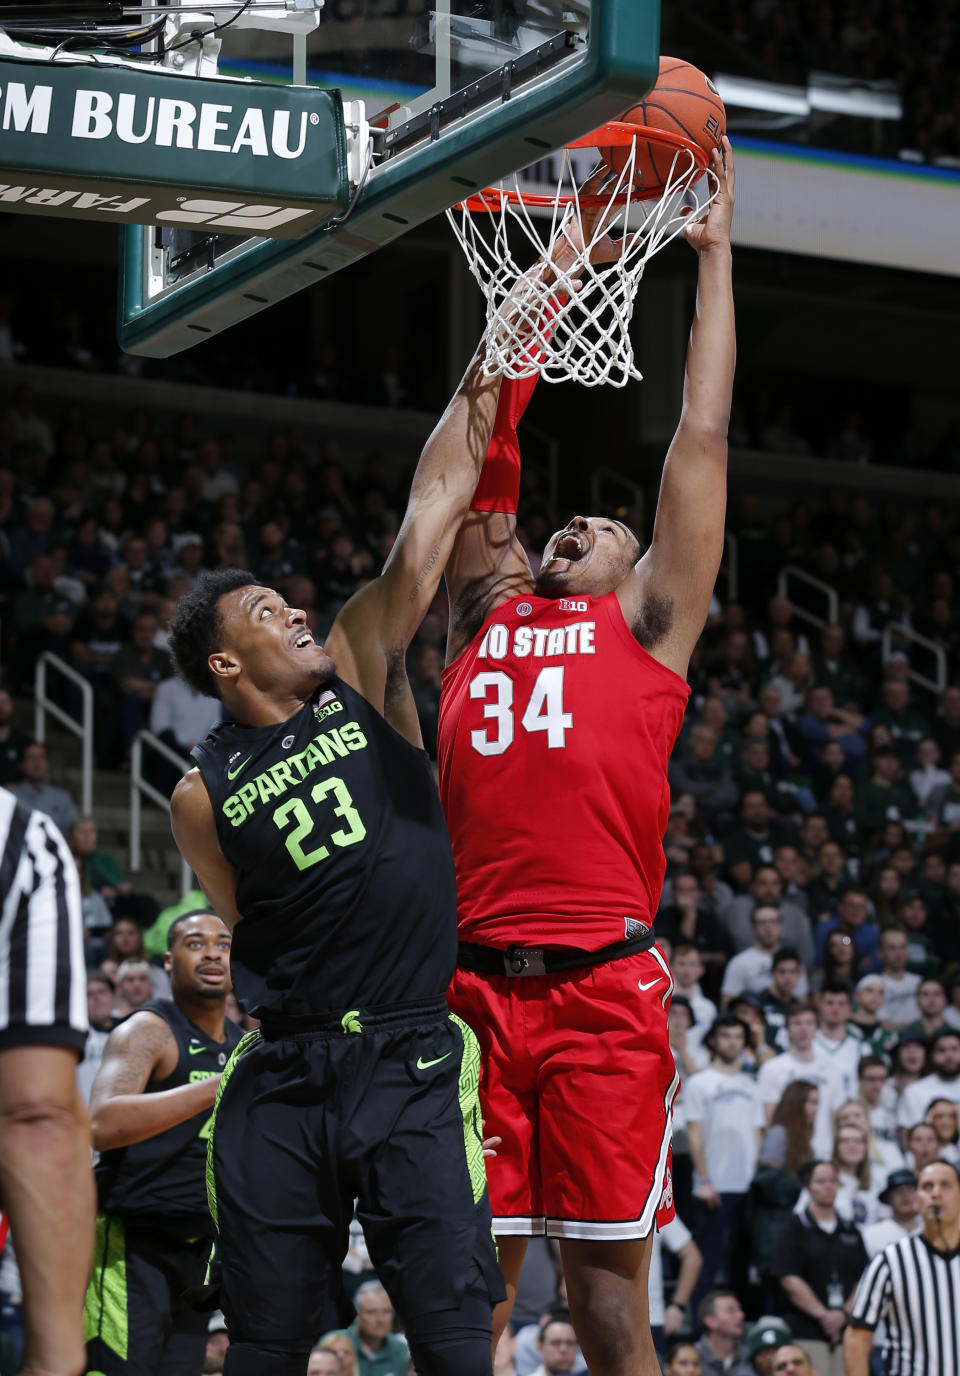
<point>211,994</point>
<point>550,583</point>
<point>323,675</point>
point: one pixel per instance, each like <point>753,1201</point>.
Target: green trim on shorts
<point>469,1090</point>
<point>105,1313</point>
<point>248,1040</point>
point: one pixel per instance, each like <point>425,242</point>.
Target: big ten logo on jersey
<point>567,604</point>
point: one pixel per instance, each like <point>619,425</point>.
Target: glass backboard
<point>454,93</point>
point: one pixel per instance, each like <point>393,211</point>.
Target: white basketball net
<point>537,319</point>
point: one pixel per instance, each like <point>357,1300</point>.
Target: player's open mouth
<point>304,640</point>
<point>570,546</point>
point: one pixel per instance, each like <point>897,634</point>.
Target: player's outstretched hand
<point>490,1145</point>
<point>713,231</point>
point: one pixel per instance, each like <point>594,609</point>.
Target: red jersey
<point>555,731</point>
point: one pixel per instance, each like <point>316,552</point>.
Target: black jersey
<point>160,1183</point>
<point>345,878</point>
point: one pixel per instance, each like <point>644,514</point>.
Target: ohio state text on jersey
<point>555,731</point>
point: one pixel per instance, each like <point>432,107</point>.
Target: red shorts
<point>579,1081</point>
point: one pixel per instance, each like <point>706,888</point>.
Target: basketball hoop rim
<point>613,134</point>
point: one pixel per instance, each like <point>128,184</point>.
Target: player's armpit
<point>195,832</point>
<point>399,707</point>
<point>487,565</point>
<point>363,663</point>
<point>667,599</point>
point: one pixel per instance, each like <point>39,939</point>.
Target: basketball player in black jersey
<point>313,823</point>
<point>151,1108</point>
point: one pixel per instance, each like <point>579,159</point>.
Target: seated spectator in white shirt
<point>785,975</point>
<point>833,1039</point>
<point>923,1146</point>
<point>900,987</point>
<point>750,972</point>
<point>688,970</point>
<point>766,891</point>
<point>857,1195</point>
<point>181,717</point>
<point>725,1122</point>
<point>942,1083</point>
<point>884,1157</point>
<point>900,1196</point>
<point>688,1054</point>
<point>943,1115</point>
<point>802,1062</point>
<point>872,1077</point>
<point>928,779</point>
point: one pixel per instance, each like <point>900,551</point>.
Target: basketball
<point>684,101</point>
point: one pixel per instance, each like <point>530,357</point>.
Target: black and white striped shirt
<point>43,994</point>
<point>916,1290</point>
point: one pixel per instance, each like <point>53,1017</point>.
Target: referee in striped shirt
<point>46,1184</point>
<point>914,1284</point>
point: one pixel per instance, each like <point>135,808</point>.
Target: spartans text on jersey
<point>288,772</point>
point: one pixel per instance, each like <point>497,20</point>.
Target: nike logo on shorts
<point>425,1065</point>
<point>649,985</point>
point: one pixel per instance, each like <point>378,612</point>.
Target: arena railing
<point>140,788</point>
<point>895,631</point>
<point>43,706</point>
<point>793,571</point>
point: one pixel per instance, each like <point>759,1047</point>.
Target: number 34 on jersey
<point>543,710</point>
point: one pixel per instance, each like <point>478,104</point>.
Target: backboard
<point>455,93</point>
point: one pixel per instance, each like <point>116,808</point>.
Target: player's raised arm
<point>676,576</point>
<point>371,634</point>
<point>487,562</point>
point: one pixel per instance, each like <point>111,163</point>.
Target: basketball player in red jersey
<point>562,699</point>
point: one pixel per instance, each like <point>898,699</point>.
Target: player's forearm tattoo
<point>432,558</point>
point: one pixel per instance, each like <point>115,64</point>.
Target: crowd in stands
<point>917,48</point>
<point>811,909</point>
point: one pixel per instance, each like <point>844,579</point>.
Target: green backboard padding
<point>619,67</point>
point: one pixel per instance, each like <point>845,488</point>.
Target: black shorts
<point>380,1106</point>
<point>137,1319</point>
